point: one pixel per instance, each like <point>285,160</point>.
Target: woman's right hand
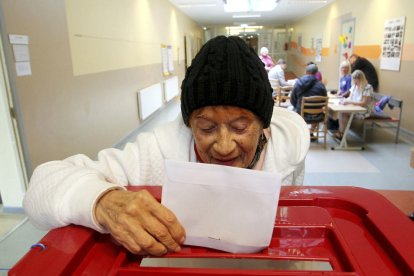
<point>139,222</point>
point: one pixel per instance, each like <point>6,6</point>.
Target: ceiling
<point>208,13</point>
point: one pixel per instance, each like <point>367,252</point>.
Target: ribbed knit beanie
<point>227,71</point>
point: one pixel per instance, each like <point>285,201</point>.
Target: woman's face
<point>226,135</point>
<point>345,70</point>
<point>357,81</point>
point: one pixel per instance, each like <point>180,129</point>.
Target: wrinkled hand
<point>139,222</point>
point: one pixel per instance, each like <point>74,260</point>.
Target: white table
<point>352,109</point>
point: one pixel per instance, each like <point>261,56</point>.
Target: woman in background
<point>360,94</point>
<point>346,80</point>
<point>266,59</point>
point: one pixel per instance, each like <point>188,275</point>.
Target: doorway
<point>252,39</point>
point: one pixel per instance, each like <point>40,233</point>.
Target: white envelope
<point>220,207</point>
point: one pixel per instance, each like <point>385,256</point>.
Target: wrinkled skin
<point>223,135</point>
<point>226,135</point>
<point>139,222</point>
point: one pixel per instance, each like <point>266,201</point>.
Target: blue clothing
<point>380,105</point>
<point>345,84</point>
<point>306,86</point>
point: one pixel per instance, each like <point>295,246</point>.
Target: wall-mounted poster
<point>164,58</point>
<point>318,48</point>
<point>346,39</point>
<point>392,44</point>
<point>299,43</point>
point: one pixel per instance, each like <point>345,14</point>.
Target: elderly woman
<point>360,94</point>
<point>266,59</point>
<point>228,118</point>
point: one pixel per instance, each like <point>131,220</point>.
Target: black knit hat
<point>227,71</point>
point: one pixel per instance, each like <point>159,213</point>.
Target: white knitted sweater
<point>65,192</point>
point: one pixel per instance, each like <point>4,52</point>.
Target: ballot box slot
<point>223,263</point>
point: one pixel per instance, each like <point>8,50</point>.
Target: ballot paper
<point>221,207</point>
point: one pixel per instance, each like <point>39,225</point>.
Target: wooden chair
<point>314,110</point>
<point>280,96</point>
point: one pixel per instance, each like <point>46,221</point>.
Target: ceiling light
<point>249,15</point>
<point>249,5</point>
<point>309,1</point>
<point>236,6</point>
<point>263,5</point>
<point>239,27</point>
<point>195,4</point>
<point>251,23</point>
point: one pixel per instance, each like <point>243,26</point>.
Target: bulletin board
<point>346,39</point>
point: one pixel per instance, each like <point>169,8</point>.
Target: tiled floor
<point>382,165</point>
<point>8,221</point>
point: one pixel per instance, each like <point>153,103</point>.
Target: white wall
<point>12,187</point>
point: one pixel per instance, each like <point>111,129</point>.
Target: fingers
<point>149,244</point>
<point>164,225</point>
<point>139,241</point>
<point>167,218</point>
<point>162,233</point>
<point>140,223</point>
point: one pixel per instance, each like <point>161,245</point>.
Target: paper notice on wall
<point>21,52</point>
<point>18,39</point>
<point>23,68</point>
<point>170,58</point>
<point>392,44</point>
<point>318,49</point>
<point>164,57</point>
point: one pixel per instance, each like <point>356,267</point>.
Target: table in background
<point>352,109</point>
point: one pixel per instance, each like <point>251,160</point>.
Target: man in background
<point>363,64</point>
<point>307,86</point>
<point>278,72</point>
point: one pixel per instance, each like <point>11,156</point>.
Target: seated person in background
<point>344,85</point>
<point>345,80</point>
<point>278,72</point>
<point>227,118</point>
<point>363,64</point>
<point>361,94</point>
<point>318,75</point>
<point>266,59</point>
<point>307,86</point>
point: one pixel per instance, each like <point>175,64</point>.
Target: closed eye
<point>208,129</point>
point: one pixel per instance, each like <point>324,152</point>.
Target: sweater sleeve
<point>65,192</point>
<point>288,146</point>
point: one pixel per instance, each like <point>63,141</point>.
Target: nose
<point>225,143</point>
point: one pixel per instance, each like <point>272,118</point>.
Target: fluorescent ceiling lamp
<point>262,5</point>
<point>198,4</point>
<point>250,23</point>
<point>246,15</point>
<point>240,27</point>
<point>249,5</point>
<point>309,1</point>
<point>236,5</point>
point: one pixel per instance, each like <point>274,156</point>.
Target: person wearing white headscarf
<point>266,59</point>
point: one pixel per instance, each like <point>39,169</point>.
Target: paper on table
<point>225,208</point>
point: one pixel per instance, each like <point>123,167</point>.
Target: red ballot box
<point>318,231</point>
